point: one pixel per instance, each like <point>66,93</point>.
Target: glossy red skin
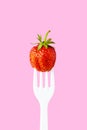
<point>43,59</point>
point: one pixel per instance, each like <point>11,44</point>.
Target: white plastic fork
<point>43,95</point>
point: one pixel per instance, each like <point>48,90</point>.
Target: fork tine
<point>41,80</point>
<point>35,78</point>
<point>52,80</point>
<point>46,79</point>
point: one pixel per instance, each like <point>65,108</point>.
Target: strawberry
<point>43,56</point>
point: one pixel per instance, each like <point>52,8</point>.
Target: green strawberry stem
<point>45,38</point>
<point>46,41</point>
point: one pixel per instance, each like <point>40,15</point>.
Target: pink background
<point>20,21</point>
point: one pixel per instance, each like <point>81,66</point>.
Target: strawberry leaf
<point>39,38</point>
<point>51,42</point>
<point>39,47</point>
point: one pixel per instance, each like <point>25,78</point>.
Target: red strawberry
<point>43,56</point>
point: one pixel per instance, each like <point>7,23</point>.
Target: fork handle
<point>43,117</point>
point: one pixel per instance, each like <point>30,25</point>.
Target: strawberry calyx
<point>44,42</point>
